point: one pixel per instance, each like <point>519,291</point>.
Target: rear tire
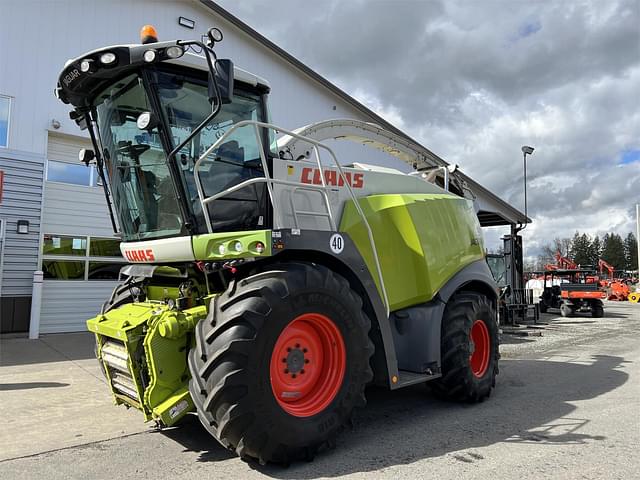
<point>597,310</point>
<point>543,307</point>
<point>263,329</point>
<point>469,348</point>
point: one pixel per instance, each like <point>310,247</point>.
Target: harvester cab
<point>269,284</point>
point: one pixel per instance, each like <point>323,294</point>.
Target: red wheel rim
<point>481,349</point>
<point>307,365</point>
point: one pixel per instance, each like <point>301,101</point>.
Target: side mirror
<point>86,155</point>
<point>224,79</point>
<point>147,121</point>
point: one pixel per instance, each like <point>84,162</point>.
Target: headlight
<point>85,65</point>
<point>174,51</point>
<point>107,58</point>
<point>237,246</point>
<point>149,56</point>
<point>222,249</point>
<point>259,247</point>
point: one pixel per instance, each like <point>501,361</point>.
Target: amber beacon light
<point>148,34</point>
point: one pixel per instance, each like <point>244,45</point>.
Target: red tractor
<point>617,289</point>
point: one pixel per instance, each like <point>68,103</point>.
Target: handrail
<point>323,188</point>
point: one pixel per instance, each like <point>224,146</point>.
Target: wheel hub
<point>308,363</point>
<point>295,361</point>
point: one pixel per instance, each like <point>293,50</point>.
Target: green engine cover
<point>422,241</point>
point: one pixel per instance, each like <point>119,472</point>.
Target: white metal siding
<point>72,210</point>
<point>75,210</point>
<point>296,101</point>
<point>21,200</point>
<point>65,148</point>
<point>68,304</point>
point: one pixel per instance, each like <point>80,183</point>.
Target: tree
<point>613,250</point>
<point>562,245</point>
<point>581,250</point>
<point>631,252</point>
<point>595,250</point>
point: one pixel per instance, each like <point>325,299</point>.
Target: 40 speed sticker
<point>336,243</point>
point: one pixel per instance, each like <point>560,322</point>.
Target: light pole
<point>526,150</point>
<point>638,234</point>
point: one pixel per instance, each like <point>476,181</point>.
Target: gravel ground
<point>567,405</point>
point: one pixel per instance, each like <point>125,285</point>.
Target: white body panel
<point>290,200</point>
<point>165,250</point>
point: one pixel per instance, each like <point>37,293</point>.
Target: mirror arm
<point>215,107</point>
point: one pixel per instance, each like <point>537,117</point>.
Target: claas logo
<point>140,255</point>
<point>331,177</point>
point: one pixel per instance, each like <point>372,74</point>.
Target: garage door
<point>80,256</point>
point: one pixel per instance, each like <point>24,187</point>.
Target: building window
<point>103,271</point>
<point>71,257</point>
<point>104,247</point>
<point>63,245</point>
<point>5,110</point>
<point>75,174</point>
<point>62,270</point>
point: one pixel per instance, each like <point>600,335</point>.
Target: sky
<point>474,81</point>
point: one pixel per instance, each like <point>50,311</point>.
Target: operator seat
<point>238,210</point>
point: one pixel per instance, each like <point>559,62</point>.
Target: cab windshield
<point>142,187</point>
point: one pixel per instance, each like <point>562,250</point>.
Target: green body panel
<point>157,341</point>
<point>422,240</point>
<point>206,247</point>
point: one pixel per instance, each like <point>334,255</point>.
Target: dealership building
<point>53,213</point>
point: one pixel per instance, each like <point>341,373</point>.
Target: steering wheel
<point>131,150</point>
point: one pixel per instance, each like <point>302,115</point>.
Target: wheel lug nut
<point>304,350</point>
<point>288,349</point>
<point>302,371</point>
<point>286,370</point>
<point>297,345</point>
<point>284,360</point>
<point>306,360</point>
<point>293,375</point>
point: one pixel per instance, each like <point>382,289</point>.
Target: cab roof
<point>78,87</point>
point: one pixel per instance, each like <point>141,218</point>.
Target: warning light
<point>148,34</point>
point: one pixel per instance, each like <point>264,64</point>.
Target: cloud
<point>473,81</point>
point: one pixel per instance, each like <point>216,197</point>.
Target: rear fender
<point>416,330</point>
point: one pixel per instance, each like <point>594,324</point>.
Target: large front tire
<point>280,365</point>
<point>469,349</point>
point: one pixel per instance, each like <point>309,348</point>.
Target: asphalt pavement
<point>566,406</point>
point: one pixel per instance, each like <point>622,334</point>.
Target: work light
<point>174,51</point>
<point>149,56</point>
<point>107,58</point>
<point>85,65</point>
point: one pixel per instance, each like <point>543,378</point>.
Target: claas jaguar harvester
<point>268,284</point>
